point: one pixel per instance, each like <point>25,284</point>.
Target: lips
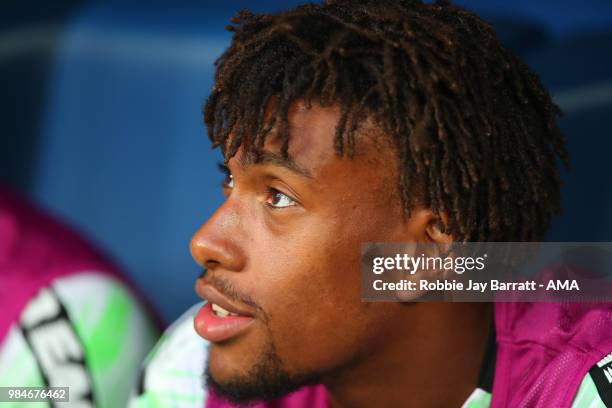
<point>223,321</point>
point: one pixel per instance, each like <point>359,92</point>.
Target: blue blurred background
<point>101,123</point>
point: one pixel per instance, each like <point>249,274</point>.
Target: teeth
<point>221,312</point>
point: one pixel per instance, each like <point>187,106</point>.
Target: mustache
<point>226,288</point>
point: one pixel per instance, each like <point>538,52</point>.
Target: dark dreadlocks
<point>469,121</point>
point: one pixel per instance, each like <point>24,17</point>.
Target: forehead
<point>312,142</point>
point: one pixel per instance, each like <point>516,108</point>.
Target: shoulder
<point>87,327</point>
<point>116,330</point>
<point>172,373</point>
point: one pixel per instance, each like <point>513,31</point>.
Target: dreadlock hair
<point>470,123</point>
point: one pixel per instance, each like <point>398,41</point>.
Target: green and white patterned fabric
<point>478,399</point>
<point>85,331</point>
<point>172,376</point>
<point>587,395</point>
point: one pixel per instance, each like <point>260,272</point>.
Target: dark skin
<point>294,252</point>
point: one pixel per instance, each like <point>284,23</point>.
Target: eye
<point>277,199</point>
<point>228,180</point>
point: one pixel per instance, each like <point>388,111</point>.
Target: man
<point>372,121</point>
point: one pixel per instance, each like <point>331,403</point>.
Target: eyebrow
<point>274,159</point>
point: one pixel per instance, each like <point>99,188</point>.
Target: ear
<point>424,225</point>
<point>434,230</point>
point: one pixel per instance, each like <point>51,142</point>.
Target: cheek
<point>315,314</point>
<point>311,291</point>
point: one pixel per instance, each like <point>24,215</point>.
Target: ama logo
<point>562,285</point>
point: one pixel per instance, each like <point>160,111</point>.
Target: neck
<point>433,359</point>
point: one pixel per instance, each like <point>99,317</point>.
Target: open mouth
<point>221,312</point>
<point>217,324</point>
<point>220,319</point>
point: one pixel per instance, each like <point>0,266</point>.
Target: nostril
<point>210,264</point>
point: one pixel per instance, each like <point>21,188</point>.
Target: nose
<point>217,243</point>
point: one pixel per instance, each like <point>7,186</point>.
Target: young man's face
<point>284,248</point>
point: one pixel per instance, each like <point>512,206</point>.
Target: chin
<point>256,385</point>
<point>262,379</point>
<point>225,363</point>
